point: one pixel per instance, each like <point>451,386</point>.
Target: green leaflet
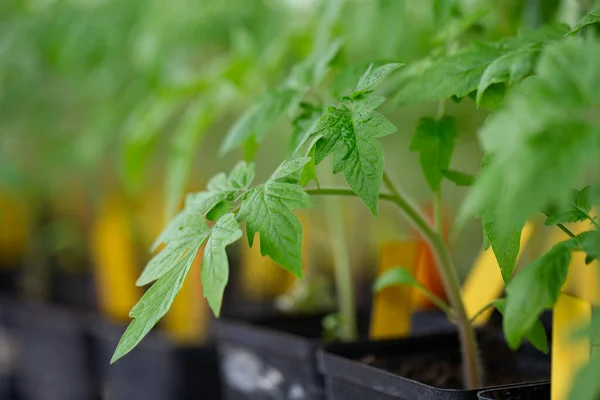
<point>215,266</point>
<point>373,76</point>
<point>590,243</point>
<point>141,131</point>
<point>590,18</point>
<point>303,125</point>
<point>576,210</point>
<point>260,118</point>
<point>350,133</point>
<point>183,237</point>
<point>505,242</point>
<point>393,277</point>
<point>459,178</point>
<point>509,68</point>
<point>402,276</point>
<point>155,303</point>
<point>434,141</point>
<point>169,268</point>
<point>535,289</point>
<point>460,73</point>
<point>586,385</point>
<point>267,210</point>
<point>538,160</point>
<point>536,336</point>
<point>222,188</point>
<point>198,117</point>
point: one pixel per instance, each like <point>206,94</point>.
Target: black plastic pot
<point>51,353</point>
<point>275,358</point>
<point>534,391</point>
<point>362,370</point>
<point>155,370</point>
<point>7,354</point>
<point>146,373</point>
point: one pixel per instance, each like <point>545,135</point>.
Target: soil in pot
<point>444,370</point>
<point>427,367</point>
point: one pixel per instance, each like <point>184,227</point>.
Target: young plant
<point>542,137</point>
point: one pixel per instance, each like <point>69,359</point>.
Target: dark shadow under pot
<point>535,391</point>
<point>426,367</point>
<point>275,357</point>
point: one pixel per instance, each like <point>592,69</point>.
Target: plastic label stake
<point>568,352</point>
<point>114,261</point>
<point>392,307</point>
<point>484,283</point>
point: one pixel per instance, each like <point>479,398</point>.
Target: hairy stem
<point>471,365</point>
<point>343,272</point>
<point>438,218</point>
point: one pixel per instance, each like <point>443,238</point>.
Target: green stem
<point>343,272</point>
<point>437,204</point>
<point>471,365</point>
<point>566,230</point>
<point>484,309</point>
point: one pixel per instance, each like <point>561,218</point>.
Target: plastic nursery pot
<point>271,358</point>
<point>7,354</point>
<point>425,367</point>
<point>148,372</point>
<point>52,353</point>
<point>275,357</point>
<point>534,391</point>
<point>156,369</point>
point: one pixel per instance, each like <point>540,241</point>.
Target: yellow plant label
<point>114,261</point>
<point>568,353</point>
<point>392,307</point>
<point>484,283</point>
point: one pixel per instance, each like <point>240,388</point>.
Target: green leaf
<point>590,243</point>
<point>536,336</point>
<point>401,276</point>
<point>455,75</point>
<point>394,277</point>
<point>196,120</point>
<point>460,73</point>
<point>260,118</point>
<point>535,289</point>
<point>577,209</point>
<point>222,188</point>
<point>459,178</point>
<point>219,210</point>
<point>304,125</point>
<point>309,172</point>
<point>267,210</point>
<point>183,237</point>
<point>153,305</point>
<point>586,385</point>
<point>509,68</point>
<point>505,242</point>
<point>434,141</point>
<point>590,18</point>
<point>140,134</point>
<point>538,160</point>
<point>169,268</point>
<point>373,76</point>
<point>215,267</point>
<point>350,133</point>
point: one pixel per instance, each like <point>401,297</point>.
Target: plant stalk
<point>343,271</point>
<point>471,364</point>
